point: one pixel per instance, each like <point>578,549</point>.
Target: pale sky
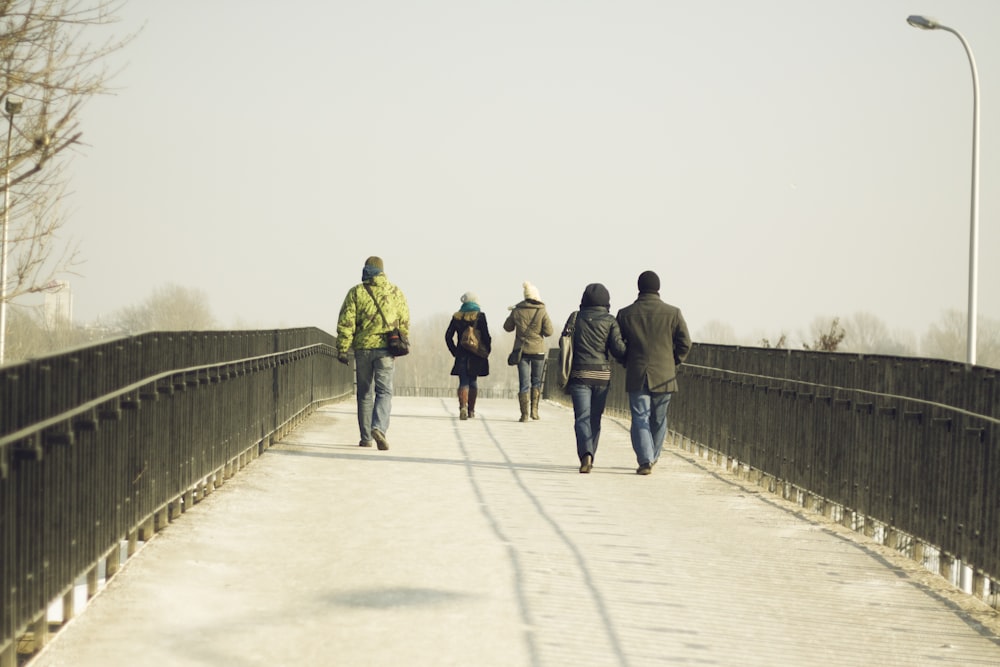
<point>773,161</point>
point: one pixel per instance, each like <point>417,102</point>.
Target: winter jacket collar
<point>470,316</point>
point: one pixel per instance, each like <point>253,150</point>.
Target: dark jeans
<point>588,408</point>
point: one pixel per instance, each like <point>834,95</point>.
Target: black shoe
<point>365,443</point>
<point>586,463</point>
<point>380,440</point>
<point>644,469</point>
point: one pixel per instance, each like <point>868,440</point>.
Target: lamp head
<point>922,22</point>
<point>13,105</point>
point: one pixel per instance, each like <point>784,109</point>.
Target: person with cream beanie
<point>530,322</point>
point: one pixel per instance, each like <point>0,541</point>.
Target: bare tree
<point>864,333</point>
<point>867,334</point>
<point>947,339</point>
<point>169,308</point>
<point>50,68</point>
<point>34,335</point>
<point>988,343</point>
<point>717,332</point>
<point>780,343</point>
<point>827,339</point>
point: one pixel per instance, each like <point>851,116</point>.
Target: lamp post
<point>12,106</point>
<point>925,23</point>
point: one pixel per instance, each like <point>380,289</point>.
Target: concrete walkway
<point>479,543</point>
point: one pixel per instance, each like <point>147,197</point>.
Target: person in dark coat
<point>469,365</point>
<point>596,339</point>
<point>657,342</point>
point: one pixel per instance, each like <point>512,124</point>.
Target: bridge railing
<point>904,447</point>
<point>105,444</point>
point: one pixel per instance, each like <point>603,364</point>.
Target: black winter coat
<point>473,365</point>
<point>596,339</point>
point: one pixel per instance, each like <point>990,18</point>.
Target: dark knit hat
<point>595,294</point>
<point>649,283</point>
<point>375,263</point>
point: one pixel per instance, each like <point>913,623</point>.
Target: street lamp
<point>12,106</point>
<point>925,23</point>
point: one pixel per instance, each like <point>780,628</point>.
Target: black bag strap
<point>528,328</point>
<point>377,307</point>
<point>535,317</point>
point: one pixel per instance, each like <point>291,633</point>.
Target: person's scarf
<point>469,307</point>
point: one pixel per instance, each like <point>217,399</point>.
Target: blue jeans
<point>588,408</point>
<point>374,369</point>
<point>649,423</point>
<point>529,373</point>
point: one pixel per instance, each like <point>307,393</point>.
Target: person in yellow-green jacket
<point>361,328</point>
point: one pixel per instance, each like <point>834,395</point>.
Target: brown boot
<point>536,395</point>
<point>463,403</point>
<point>522,398</point>
<point>472,401</point>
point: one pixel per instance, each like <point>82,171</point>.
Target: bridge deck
<point>479,543</point>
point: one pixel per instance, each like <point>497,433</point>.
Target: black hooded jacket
<point>596,339</point>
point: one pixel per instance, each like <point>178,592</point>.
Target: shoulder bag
<point>396,341</point>
<point>514,358</point>
<point>566,351</point>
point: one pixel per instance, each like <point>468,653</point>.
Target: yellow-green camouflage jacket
<point>359,325</point>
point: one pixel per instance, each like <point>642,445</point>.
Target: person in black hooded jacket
<point>596,339</point>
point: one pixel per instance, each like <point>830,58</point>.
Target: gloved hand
<point>342,357</point>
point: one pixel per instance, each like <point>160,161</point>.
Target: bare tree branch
<point>49,68</point>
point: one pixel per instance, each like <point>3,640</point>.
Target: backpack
<point>469,340</point>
